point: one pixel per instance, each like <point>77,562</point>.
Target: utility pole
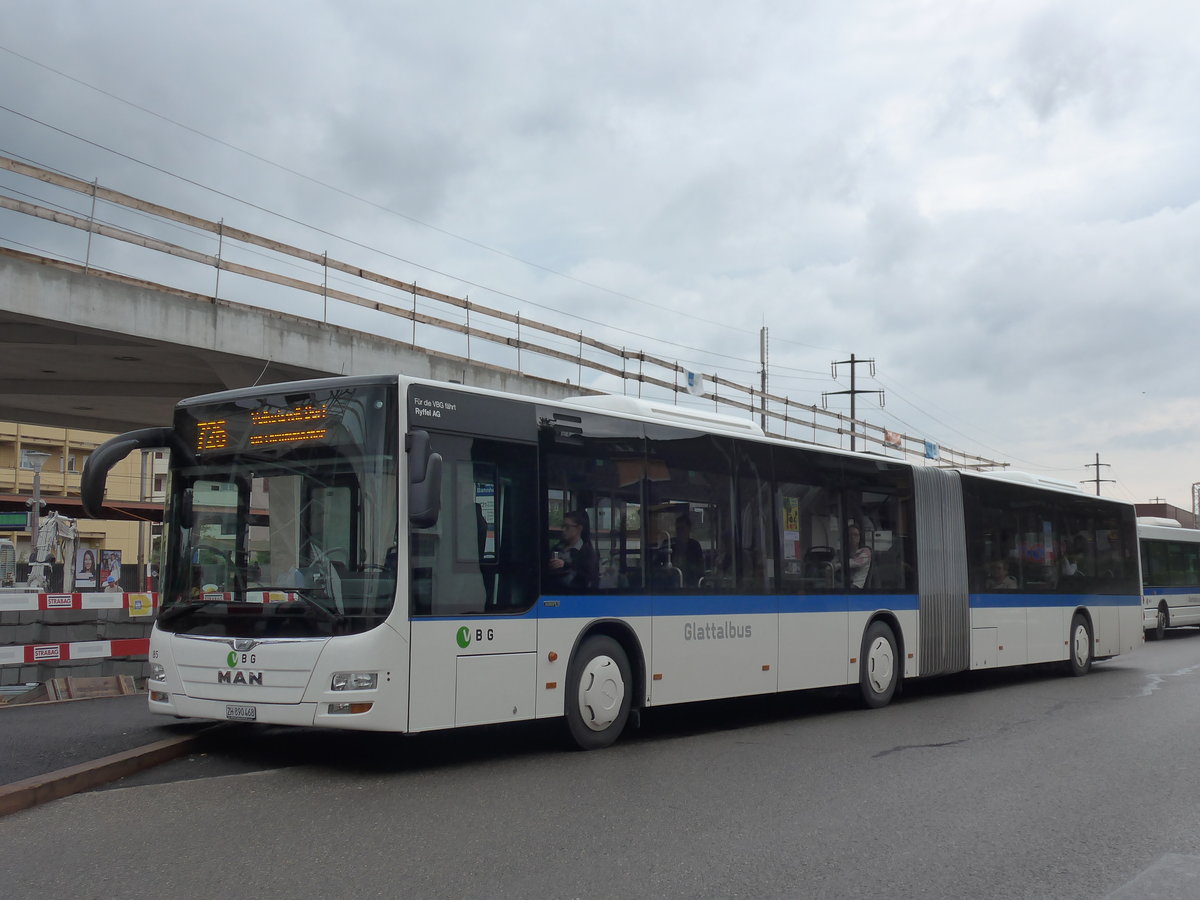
<point>1097,480</point>
<point>762,354</point>
<point>853,363</point>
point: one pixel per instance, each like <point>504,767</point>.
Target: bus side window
<point>691,519</point>
<point>809,510</point>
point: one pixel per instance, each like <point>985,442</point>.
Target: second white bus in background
<point>1170,575</point>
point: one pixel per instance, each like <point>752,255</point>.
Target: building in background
<point>136,489</point>
<point>1163,510</point>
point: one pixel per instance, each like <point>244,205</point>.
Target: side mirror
<point>111,452</point>
<point>424,480</point>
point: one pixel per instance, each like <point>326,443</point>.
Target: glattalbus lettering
<point>240,678</point>
<point>711,631</point>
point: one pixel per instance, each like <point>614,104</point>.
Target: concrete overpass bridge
<point>87,349</point>
<point>83,345</point>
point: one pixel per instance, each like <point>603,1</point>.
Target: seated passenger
<point>998,578</point>
<point>686,553</point>
<point>575,564</point>
<point>859,555</point>
<point>1072,557</point>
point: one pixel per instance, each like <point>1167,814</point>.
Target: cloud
<point>996,202</point>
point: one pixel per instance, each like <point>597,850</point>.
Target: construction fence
<point>51,635</point>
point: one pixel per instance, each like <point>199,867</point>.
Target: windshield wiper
<point>302,593</point>
<point>176,609</point>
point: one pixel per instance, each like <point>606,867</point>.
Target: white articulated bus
<point>394,554</point>
<point>1170,574</point>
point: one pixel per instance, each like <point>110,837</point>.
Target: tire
<point>878,666</point>
<point>599,693</point>
<point>1079,646</point>
<point>1160,624</point>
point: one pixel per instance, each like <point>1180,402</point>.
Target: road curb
<point>62,783</point>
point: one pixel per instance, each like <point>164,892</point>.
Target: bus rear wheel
<point>878,666</point>
<point>1079,646</point>
<point>1160,624</point>
<point>598,693</point>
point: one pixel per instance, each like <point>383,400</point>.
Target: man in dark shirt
<point>575,565</point>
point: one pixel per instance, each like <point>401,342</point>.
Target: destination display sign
<point>266,427</point>
<point>271,423</point>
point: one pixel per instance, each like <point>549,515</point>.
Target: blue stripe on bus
<point>601,605</point>
<point>1171,591</point>
<point>1050,601</point>
<point>618,606</point>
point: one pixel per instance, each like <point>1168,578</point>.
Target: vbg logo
<point>232,659</point>
<point>464,636</point>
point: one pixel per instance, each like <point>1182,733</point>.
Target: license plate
<point>241,713</point>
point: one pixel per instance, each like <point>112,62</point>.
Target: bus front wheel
<point>1079,646</point>
<point>878,666</point>
<point>598,693</point>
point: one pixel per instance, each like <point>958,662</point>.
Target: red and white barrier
<point>28,654</point>
<point>138,604</point>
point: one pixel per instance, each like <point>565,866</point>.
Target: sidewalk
<point>48,750</point>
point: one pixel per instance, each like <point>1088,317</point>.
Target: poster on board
<point>110,570</point>
<point>86,570</point>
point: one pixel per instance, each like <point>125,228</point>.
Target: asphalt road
<point>39,738</point>
<point>1005,785</point>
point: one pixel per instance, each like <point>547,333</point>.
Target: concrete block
<point>69,616</point>
<point>113,631</point>
<point>134,668</point>
<point>83,668</point>
<point>21,634</point>
<point>66,634</point>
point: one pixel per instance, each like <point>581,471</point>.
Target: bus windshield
<point>285,521</point>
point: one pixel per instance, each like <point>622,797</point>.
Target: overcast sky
<point>995,201</point>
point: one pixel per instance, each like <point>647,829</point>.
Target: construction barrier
<point>40,653</point>
<point>137,604</point>
<point>55,635</point>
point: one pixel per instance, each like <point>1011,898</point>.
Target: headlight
<point>157,672</point>
<point>354,681</point>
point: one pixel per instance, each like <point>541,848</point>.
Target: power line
<point>326,185</point>
<point>495,291</point>
<point>350,195</point>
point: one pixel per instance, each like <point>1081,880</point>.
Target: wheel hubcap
<point>880,665</point>
<point>601,692</point>
<point>1081,645</point>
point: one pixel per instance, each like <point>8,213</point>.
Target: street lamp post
<point>35,459</point>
